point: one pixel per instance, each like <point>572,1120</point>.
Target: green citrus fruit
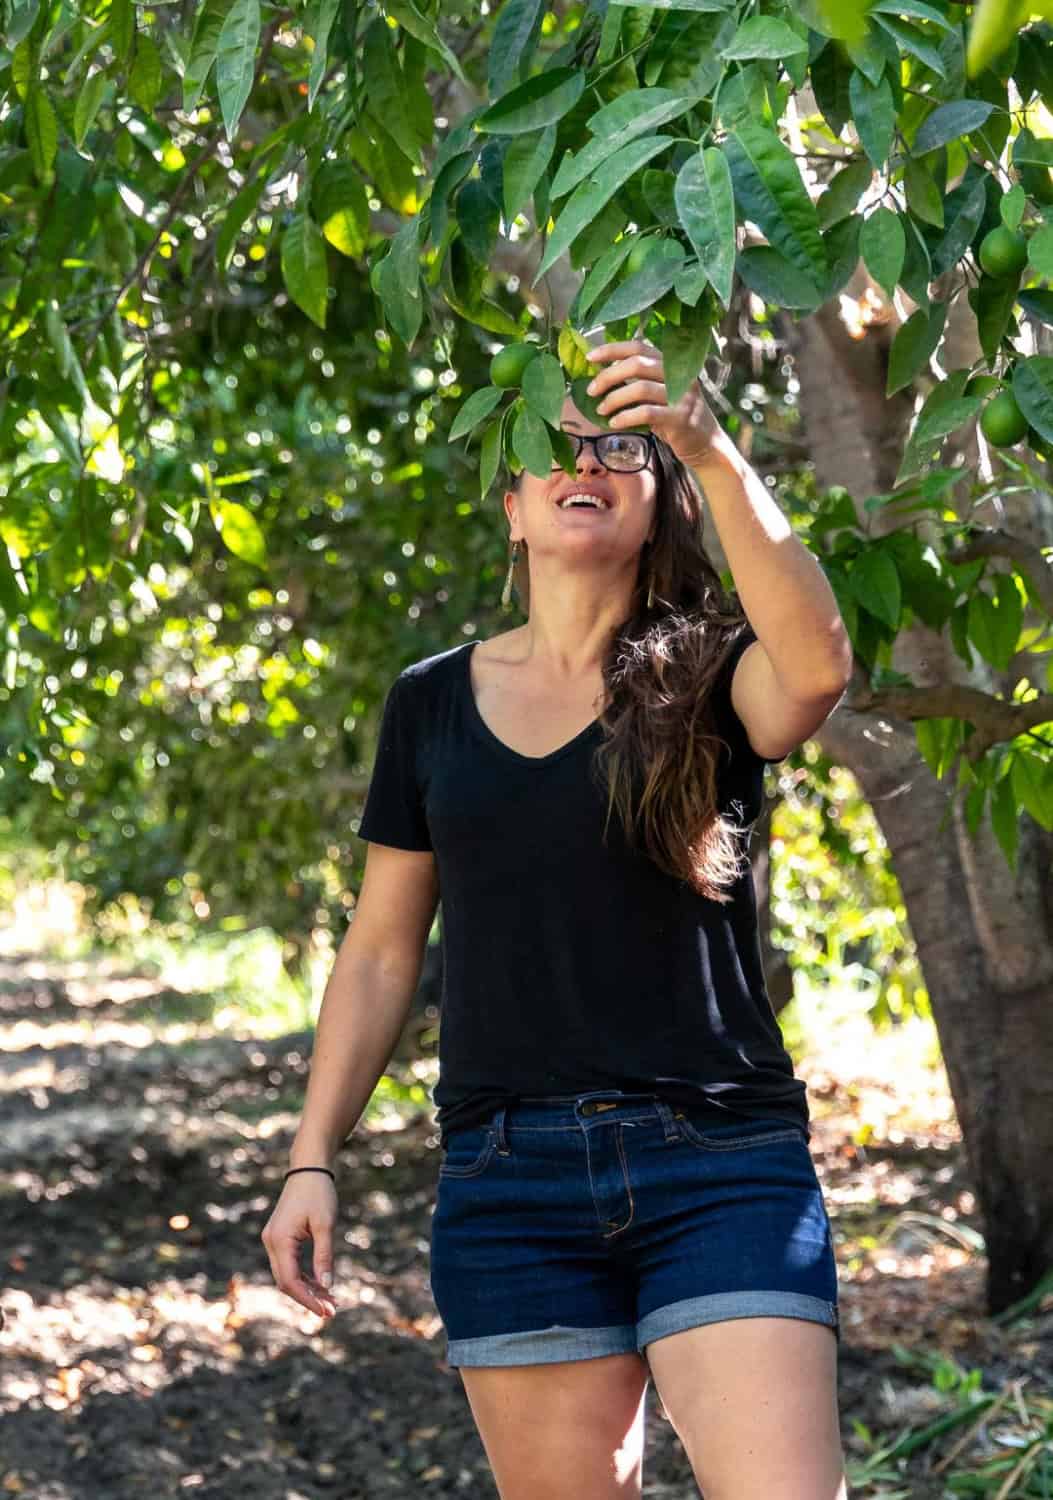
<point>634,261</point>
<point>508,364</point>
<point>1003,251</point>
<point>1002,422</point>
<point>981,385</point>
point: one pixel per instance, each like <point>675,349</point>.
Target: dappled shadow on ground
<point>145,1343</point>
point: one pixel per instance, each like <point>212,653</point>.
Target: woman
<point>626,1188</point>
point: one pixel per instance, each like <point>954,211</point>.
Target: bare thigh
<point>571,1430</point>
<point>754,1402</point>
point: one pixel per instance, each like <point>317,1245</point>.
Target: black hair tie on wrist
<point>291,1170</point>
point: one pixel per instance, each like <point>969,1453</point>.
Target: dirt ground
<point>145,1348</point>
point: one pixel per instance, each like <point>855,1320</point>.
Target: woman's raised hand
<point>630,391</point>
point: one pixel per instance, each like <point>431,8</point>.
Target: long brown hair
<point>661,748</point>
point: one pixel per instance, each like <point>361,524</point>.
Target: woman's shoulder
<point>423,675</point>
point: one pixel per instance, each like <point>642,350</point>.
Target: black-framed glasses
<point>621,452</point>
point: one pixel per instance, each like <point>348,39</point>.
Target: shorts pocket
<point>468,1151</point>
<point>738,1136</point>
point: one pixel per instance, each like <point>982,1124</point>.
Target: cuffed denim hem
<point>541,1346</point>
<point>719,1307</point>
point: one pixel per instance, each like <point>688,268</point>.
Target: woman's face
<point>619,529</point>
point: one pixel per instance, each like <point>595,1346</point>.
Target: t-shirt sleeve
<point>731,725</point>
<point>394,809</point>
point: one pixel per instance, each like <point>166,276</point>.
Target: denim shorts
<point>591,1224</point>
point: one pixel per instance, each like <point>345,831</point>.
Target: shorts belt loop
<point>672,1132</point>
<point>498,1128</point>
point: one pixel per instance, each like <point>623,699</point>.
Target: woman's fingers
<point>637,391</point>
<point>283,1236</point>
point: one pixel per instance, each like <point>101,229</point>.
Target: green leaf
<point>673,4</point>
<point>478,406</point>
<point>875,583</point>
<point>924,198</point>
<point>684,349</point>
<point>844,192</point>
<point>208,23</point>
<point>917,268</point>
<point>319,23</point>
<point>995,621</point>
<point>545,388</point>
<point>89,100</point>
<point>531,443</point>
<point>705,201</point>
<point>765,36</point>
<point>601,275</point>
<point>490,455</point>
<point>340,204</point>
<point>240,530</point>
<point>644,287</point>
<point>963,210</point>
<point>386,88</point>
<point>1033,786</point>
<point>638,112</point>
<point>690,283</point>
<point>769,190</point>
<point>914,343</point>
<point>304,268</point>
<point>912,39</point>
<point>410,18</point>
<point>874,115</point>
<point>146,79</point>
<point>1033,389</point>
<point>1005,819</point>
<point>574,354</point>
<point>776,279</point>
<point>1011,206</point>
<point>512,43</point>
<point>938,740</point>
<point>563,451</point>
<point>677,53</point>
<point>236,60</point>
<point>588,198</point>
<point>41,128</point>
<point>949,122</point>
<point>525,161</point>
<point>477,218</point>
<point>122,17</point>
<point>916,8</point>
<point>1040,251</point>
<point>540,101</point>
<point>945,410</point>
<point>992,300</point>
<point>1037,302</point>
<point>21,20</point>
<point>453,171</point>
<point>883,246</point>
<point>585,403</point>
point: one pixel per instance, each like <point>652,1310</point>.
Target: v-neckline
<point>499,744</point>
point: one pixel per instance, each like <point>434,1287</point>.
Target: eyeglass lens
<point>625,452</point>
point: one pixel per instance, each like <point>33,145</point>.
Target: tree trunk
<point>983,934</point>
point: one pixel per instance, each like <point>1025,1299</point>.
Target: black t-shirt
<point>569,965</point>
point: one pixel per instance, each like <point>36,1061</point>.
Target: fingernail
<point>591,387</point>
<point>326,1278</point>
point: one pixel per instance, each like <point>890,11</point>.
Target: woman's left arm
<point>787,682</point>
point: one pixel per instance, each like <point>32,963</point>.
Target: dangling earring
<point>506,592</point>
